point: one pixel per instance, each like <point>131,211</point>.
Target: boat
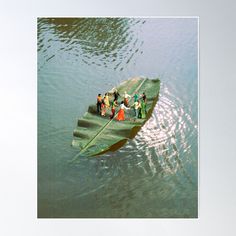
<point>95,135</point>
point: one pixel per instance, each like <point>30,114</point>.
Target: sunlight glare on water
<point>156,173</point>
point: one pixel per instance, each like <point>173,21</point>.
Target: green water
<point>153,175</point>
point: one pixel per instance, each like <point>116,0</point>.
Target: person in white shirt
<point>137,107</point>
<point>121,113</point>
<point>126,101</point>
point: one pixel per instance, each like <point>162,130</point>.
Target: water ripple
<point>161,144</point>
<point>83,39</point>
<point>155,174</point>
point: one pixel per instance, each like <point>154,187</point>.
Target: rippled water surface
<point>156,173</point>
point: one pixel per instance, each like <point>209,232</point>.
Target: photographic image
<point>118,109</point>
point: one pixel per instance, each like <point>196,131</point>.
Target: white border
<point>17,93</point>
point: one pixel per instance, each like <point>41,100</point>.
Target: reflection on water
<point>103,42</point>
<point>155,174</point>
<point>163,143</point>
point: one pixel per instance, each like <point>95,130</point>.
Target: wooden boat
<point>96,135</point>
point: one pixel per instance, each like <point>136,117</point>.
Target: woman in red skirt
<point>121,113</point>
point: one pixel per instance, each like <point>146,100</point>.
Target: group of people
<point>139,105</point>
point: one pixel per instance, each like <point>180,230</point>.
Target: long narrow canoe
<point>96,135</point>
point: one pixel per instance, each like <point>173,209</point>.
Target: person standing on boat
<point>106,100</point>
<point>103,108</point>
<point>99,103</point>
<point>121,113</point>
<point>144,97</point>
<point>126,101</point>
<point>137,107</point>
<point>116,95</point>
<point>114,104</point>
<point>142,111</point>
<point>135,96</point>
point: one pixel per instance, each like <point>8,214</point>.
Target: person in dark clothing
<point>144,97</point>
<point>99,103</point>
<point>116,95</point>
